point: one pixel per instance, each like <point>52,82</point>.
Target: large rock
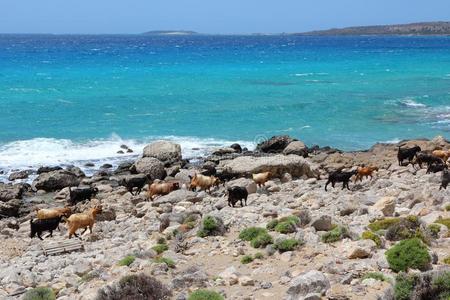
<point>164,151</point>
<point>307,283</point>
<point>278,165</point>
<point>296,147</point>
<point>10,208</point>
<point>249,184</point>
<point>322,223</point>
<point>151,167</point>
<point>192,276</point>
<point>19,175</point>
<point>55,180</point>
<point>384,206</point>
<point>178,196</point>
<point>275,144</point>
<point>10,191</point>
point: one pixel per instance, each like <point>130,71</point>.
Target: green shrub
<point>285,227</point>
<point>291,219</point>
<point>404,285</point>
<point>286,245</point>
<point>377,276</point>
<point>447,260</point>
<point>40,293</point>
<point>127,260</point>
<point>190,225</point>
<point>434,230</point>
<point>334,235</point>
<point>447,207</point>
<point>369,235</point>
<point>383,224</point>
<point>445,222</point>
<point>407,254</point>
<point>161,240</point>
<point>89,276</point>
<point>441,284</point>
<point>209,224</point>
<point>164,260</point>
<point>246,259</point>
<point>259,255</point>
<point>205,295</point>
<point>160,248</point>
<point>138,286</point>
<point>262,240</point>
<point>271,225</point>
<point>251,233</point>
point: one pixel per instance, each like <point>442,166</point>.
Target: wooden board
<point>62,247</point>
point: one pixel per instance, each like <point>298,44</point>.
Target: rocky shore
<point>330,245</point>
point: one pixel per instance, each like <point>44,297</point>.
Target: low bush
<point>257,236</point>
<point>261,240</point>
<point>441,285</point>
<point>411,253</point>
<point>205,295</point>
<point>40,293</point>
<point>447,260</point>
<point>383,224</point>
<point>127,260</point>
<point>447,207</point>
<point>404,286</point>
<point>259,255</point>
<point>335,234</point>
<point>160,248</point>
<point>286,245</point>
<point>434,230</point>
<point>377,276</point>
<point>271,225</point>
<point>369,235</point>
<point>445,222</point>
<point>161,240</point>
<point>285,227</point>
<point>211,226</point>
<point>136,287</point>
<point>246,259</point>
<point>164,260</point>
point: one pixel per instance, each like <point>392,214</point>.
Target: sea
<point>72,99</point>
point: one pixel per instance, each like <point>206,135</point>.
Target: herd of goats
<point>49,219</point>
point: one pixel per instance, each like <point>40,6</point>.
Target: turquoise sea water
<point>70,98</point>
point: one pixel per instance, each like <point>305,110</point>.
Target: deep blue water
<point>87,94</point>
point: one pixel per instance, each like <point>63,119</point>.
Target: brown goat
<point>51,213</point>
<point>442,154</point>
<point>162,188</point>
<point>365,172</point>
<point>204,182</point>
<point>82,220</point>
<point>261,178</point>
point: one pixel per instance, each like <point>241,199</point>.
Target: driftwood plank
<point>62,247</point>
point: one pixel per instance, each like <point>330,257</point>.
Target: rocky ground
<point>132,225</point>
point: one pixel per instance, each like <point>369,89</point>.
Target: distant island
<point>170,32</point>
<point>424,28</point>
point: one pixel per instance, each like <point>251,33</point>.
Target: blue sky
<point>210,16</point>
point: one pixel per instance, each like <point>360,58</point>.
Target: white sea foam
<point>33,153</point>
<point>412,103</point>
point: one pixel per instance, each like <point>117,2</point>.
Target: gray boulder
<point>10,191</point>
<point>178,196</point>
<point>297,148</point>
<point>192,276</point>
<point>164,151</point>
<point>322,223</point>
<point>275,144</point>
<point>56,180</point>
<point>151,167</point>
<point>19,175</point>
<point>312,282</point>
<point>295,165</point>
<point>10,208</point>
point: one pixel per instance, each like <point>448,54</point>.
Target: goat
<point>442,154</point>
<point>162,188</point>
<point>203,182</point>
<point>339,176</point>
<point>429,159</point>
<point>365,172</point>
<point>235,194</point>
<point>81,194</point>
<point>434,168</point>
<point>38,226</point>
<point>261,178</point>
<point>407,153</point>
<point>445,180</point>
<point>50,213</point>
<point>137,182</point>
<point>82,220</point>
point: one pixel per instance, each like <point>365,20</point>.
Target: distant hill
<point>425,28</point>
<point>170,32</point>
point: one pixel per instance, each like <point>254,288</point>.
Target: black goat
<point>407,153</point>
<point>445,180</point>
<point>235,194</point>
<point>339,176</point>
<point>81,194</point>
<point>38,226</point>
<point>434,168</point>
<point>429,159</point>
<point>137,182</point>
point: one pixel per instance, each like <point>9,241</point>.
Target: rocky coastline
<point>333,249</point>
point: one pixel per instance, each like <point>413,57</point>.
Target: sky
<point>210,16</point>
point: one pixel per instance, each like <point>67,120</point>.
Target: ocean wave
<point>411,103</point>
<point>33,153</point>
